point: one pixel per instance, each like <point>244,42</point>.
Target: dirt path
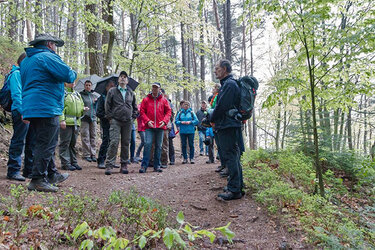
<point>191,188</point>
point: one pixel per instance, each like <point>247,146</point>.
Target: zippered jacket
<point>43,74</point>
<point>155,109</point>
<point>119,109</point>
<point>73,108</point>
<point>15,86</point>
<point>186,116</point>
<point>89,101</point>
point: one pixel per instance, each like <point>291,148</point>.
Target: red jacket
<point>156,110</point>
<point>140,122</point>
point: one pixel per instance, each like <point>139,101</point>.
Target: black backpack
<point>248,87</point>
<point>5,96</point>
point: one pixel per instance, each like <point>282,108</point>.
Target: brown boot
<point>124,168</point>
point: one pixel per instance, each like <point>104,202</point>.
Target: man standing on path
<point>43,74</point>
<point>120,110</point>
<point>104,124</point>
<point>155,112</point>
<point>228,129</point>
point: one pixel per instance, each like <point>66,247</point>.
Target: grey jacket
<point>88,100</point>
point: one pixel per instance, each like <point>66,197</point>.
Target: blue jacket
<point>210,132</point>
<point>228,98</point>
<point>43,74</point>
<point>183,116</point>
<point>15,86</point>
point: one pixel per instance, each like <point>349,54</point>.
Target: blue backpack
<point>5,96</point>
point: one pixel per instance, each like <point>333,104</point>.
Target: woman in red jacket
<point>155,113</point>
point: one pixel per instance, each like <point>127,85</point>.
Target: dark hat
<point>47,37</point>
<point>156,84</point>
<point>123,73</point>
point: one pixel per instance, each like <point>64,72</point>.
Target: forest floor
<point>190,188</point>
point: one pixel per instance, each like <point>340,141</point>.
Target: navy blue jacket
<point>228,98</point>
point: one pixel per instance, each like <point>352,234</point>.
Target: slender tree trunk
<point>183,58</point>
<point>341,133</point>
<point>278,125</point>
<point>349,127</point>
<point>111,39</point>
<point>228,30</point>
<point>202,64</point>
<point>284,130</point>
<point>217,20</point>
<point>365,126</point>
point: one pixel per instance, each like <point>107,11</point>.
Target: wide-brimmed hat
<point>47,37</point>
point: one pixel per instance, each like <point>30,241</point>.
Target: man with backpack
<point>43,74</point>
<point>22,138</point>
<point>228,129</point>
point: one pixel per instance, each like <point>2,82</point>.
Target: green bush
<point>286,179</point>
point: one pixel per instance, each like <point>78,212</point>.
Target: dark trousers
<point>67,150</point>
<point>171,150</point>
<point>22,139</point>
<point>229,143</point>
<point>104,124</point>
<point>184,139</point>
<point>211,149</point>
<point>142,135</point>
<point>132,143</point>
<point>119,132</point>
<point>151,135</point>
<point>46,137</point>
<point>216,137</point>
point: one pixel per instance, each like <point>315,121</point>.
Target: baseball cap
<point>123,73</point>
<point>156,84</point>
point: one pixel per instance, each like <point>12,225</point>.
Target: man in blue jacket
<point>22,138</point>
<point>228,129</point>
<point>43,74</point>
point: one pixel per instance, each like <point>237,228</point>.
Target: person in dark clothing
<point>104,124</point>
<point>202,113</point>
<point>121,110</point>
<point>228,129</point>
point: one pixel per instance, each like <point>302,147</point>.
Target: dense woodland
<point>314,61</point>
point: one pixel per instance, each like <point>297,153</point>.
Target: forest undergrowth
<point>285,183</point>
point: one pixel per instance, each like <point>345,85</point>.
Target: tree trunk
<point>349,127</point>
<point>111,39</point>
<point>284,130</point>
<point>228,30</point>
<point>217,20</point>
<point>278,125</point>
<point>365,126</point>
<point>183,58</point>
<point>202,64</point>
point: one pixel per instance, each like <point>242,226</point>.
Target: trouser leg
<point>126,131</point>
<point>114,134</point>
<point>64,146</point>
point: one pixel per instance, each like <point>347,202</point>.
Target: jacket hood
<point>186,111</point>
<point>35,50</point>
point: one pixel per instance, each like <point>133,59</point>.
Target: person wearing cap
<point>88,128</point>
<point>120,109</point>
<point>201,113</point>
<point>43,74</point>
<point>155,113</point>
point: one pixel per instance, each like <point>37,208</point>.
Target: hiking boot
<point>93,159</point>
<point>41,185</point>
<point>108,170</point>
<point>159,170</point>
<point>184,161</point>
<point>142,170</point>
<point>124,168</point>
<point>16,177</point>
<point>116,166</point>
<point>163,166</point>
<point>209,162</point>
<point>192,161</point>
<point>77,166</point>
<point>87,159</point>
<point>171,163</point>
<point>227,196</point>
<point>56,178</point>
<point>225,189</point>
<point>219,169</point>
<point>201,153</point>
<point>69,167</point>
<point>101,165</point>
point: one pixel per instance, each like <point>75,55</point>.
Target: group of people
<point>46,107</point>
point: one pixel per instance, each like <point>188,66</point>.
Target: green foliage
<point>280,181</point>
